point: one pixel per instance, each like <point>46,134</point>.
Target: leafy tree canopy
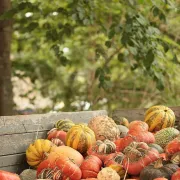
<point>92,54</point>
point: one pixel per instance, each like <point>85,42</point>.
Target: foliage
<point>99,53</point>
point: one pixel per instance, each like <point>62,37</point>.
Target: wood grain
<point>41,122</point>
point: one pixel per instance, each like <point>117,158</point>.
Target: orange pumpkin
<point>5,175</point>
<point>176,175</point>
<point>69,152</point>
<point>138,126</point>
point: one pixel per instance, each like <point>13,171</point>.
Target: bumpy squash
<point>107,174</point>
<point>104,128</point>
<point>164,136</point>
<point>159,117</point>
<point>37,151</point>
<point>80,137</point>
<point>64,124</point>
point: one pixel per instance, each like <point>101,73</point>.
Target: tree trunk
<point>6,96</point>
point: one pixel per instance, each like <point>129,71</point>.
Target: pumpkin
<point>137,156</point>
<point>28,174</point>
<point>173,150</point>
<point>71,153</point>
<point>157,147</point>
<point>113,159</point>
<point>57,134</point>
<point>57,142</point>
<point>119,169</point>
<point>80,137</point>
<point>164,136</point>
<point>138,126</point>
<point>104,128</point>
<point>102,149</point>
<point>176,175</point>
<point>107,174</point>
<point>58,167</point>
<point>5,175</point>
<point>123,130</point>
<point>37,151</point>
<point>158,169</point>
<point>159,117</point>
<point>142,136</point>
<point>91,167</point>
<point>134,136</point>
<point>64,124</point>
<point>121,121</point>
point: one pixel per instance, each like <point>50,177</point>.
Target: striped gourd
<point>159,117</point>
<point>64,124</point>
<point>80,137</point>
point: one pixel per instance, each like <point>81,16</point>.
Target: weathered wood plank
<point>138,114</point>
<point>17,143</point>
<point>18,168</point>
<point>14,159</point>
<point>33,123</point>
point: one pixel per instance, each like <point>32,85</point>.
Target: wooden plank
<point>14,159</point>
<point>138,114</point>
<point>18,143</point>
<point>18,168</point>
<point>40,122</point>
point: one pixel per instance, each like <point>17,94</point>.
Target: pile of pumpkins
<point>107,149</point>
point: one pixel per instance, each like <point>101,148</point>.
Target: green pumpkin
<point>64,124</point>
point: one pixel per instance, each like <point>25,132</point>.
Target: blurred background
<point>75,55</point>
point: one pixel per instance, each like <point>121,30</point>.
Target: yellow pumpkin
<point>80,137</point>
<point>159,117</point>
<point>37,151</point>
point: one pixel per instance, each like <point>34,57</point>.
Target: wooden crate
<point>17,132</point>
<point>138,114</point>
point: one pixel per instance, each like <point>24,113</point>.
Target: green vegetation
<point>98,54</point>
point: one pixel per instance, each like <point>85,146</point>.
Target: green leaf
<point>86,22</point>
<point>175,59</point>
<point>141,20</point>
<point>111,33</point>
<point>98,72</point>
<point>8,14</point>
<point>32,26</point>
<point>24,5</point>
<point>133,50</point>
<point>165,46</point>
<point>108,44</point>
<point>149,59</point>
<point>64,61</point>
<point>155,11</point>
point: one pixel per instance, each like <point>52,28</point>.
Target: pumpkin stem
<point>158,163</point>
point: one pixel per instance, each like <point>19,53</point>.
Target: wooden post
<point>6,102</point>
